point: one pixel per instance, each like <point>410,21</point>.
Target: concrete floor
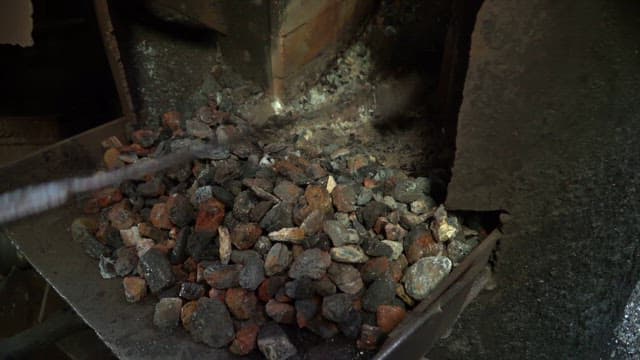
<point>549,131</point>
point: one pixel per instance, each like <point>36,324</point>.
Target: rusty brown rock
<point>244,236</point>
<point>287,191</point>
<point>344,198</point>
<point>222,276</point>
<point>171,120</point>
<point>289,170</point>
<point>318,198</point>
<point>107,197</point>
<point>394,232</point>
<point>159,216</point>
<point>245,340</point>
<point>389,316</point>
<point>296,250</point>
<point>270,287</point>
<point>420,243</point>
<point>186,313</point>
<point>380,224</point>
<point>281,312</point>
<point>149,231</point>
<point>316,171</point>
<point>135,288</point>
<point>121,216</point>
<point>241,303</point>
<point>375,269</point>
<point>210,216</point>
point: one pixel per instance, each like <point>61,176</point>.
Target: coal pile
<point>242,243</point>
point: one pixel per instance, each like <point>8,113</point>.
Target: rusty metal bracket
<point>113,55</point>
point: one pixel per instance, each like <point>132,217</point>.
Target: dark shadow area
<point>421,52</point>
<point>65,77</point>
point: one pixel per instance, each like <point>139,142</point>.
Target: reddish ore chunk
<point>245,340</point>
<point>389,316</point>
<point>210,216</point>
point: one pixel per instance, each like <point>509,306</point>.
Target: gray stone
<point>287,191</point>
<point>396,248</point>
<point>337,307</point>
<point>390,202</point>
<point>151,188</point>
<point>242,206</point>
<point>339,234</point>
<point>380,292</point>
<point>244,256</point>
<point>324,287</point>
<point>201,195</point>
<point>423,276</point>
<point>181,212</point>
<point>274,343</point>
<point>371,212</point>
<point>280,216</point>
<point>191,291</point>
<point>222,194</point>
<point>126,260</point>
<point>252,274</point>
<point>260,210</point>
<point>343,218</point>
<point>313,223</point>
<point>312,263</point>
<point>156,270</point>
<point>344,197</point>
<point>167,313</point>
<point>351,326</point>
<point>197,129</point>
<point>364,197</point>
<point>262,246</point>
<point>410,190</point>
<point>201,246</point>
<point>277,260</point>
<point>457,250</point>
<point>211,323</point>
<point>302,288</point>
<point>351,254</point>
<point>306,309</point>
<point>346,277</point>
